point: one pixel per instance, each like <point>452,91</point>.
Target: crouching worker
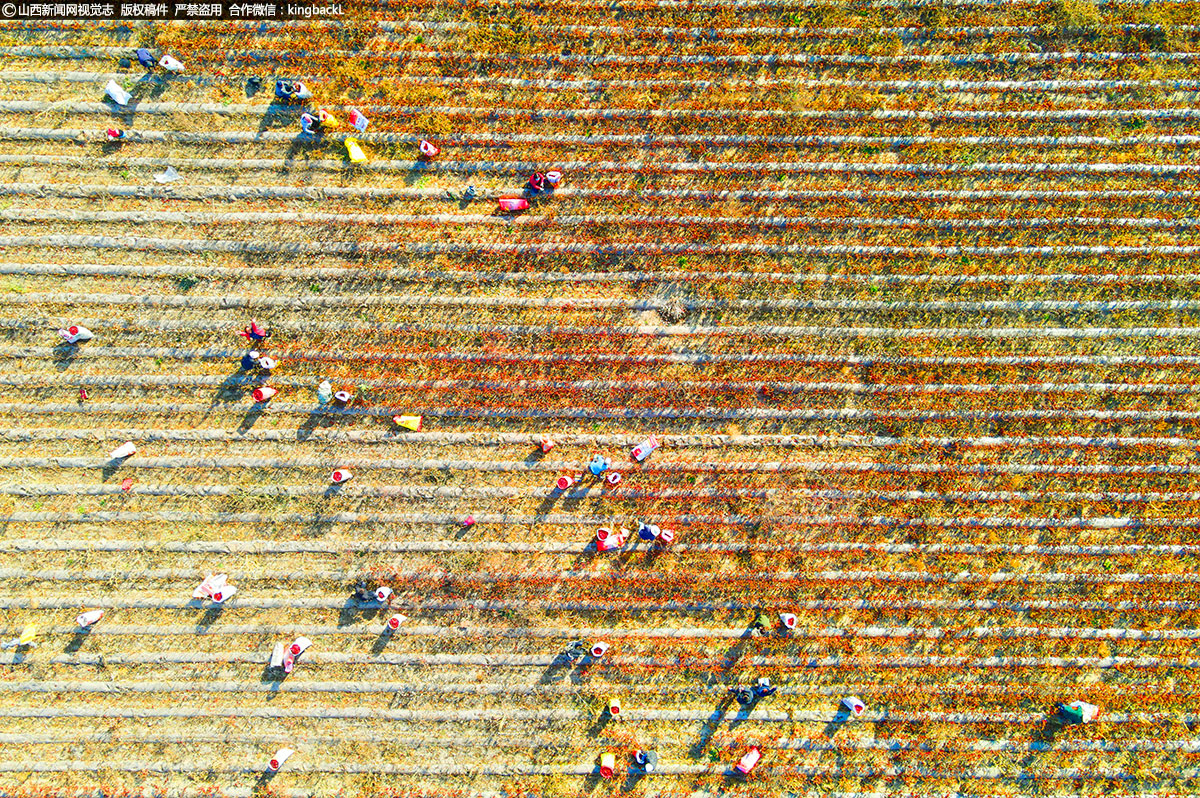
<point>310,125</point>
<point>289,91</point>
<point>543,182</point>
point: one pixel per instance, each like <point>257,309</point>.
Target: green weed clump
<point>1073,18</point>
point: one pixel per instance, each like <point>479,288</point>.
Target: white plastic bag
<point>118,94</point>
<point>169,175</point>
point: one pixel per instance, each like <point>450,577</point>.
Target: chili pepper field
<point>905,291</point>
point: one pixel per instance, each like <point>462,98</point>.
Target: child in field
<point>254,333</point>
<point>114,134</point>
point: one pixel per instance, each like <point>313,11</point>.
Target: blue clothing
<point>145,58</point>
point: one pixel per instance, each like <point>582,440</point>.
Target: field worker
<point>538,182</point>
<point>146,59</point>
<point>250,360</point>
<point>114,134</point>
<point>764,688</point>
<point>598,465</point>
<point>648,532</point>
<point>254,333</point>
<point>76,334</point>
<point>310,124</point>
<point>577,650</point>
<point>291,90</point>
<point>363,591</point>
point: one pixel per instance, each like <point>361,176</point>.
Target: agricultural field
<point>906,291</point>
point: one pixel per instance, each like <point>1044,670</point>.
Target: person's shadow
<point>600,724</point>
<point>732,777</point>
<point>123,114</point>
<point>210,616</point>
<point>63,355</point>
<point>262,785</point>
<point>150,86</point>
<point>557,668</point>
<point>734,653</point>
<point>839,719</point>
<point>78,639</point>
<point>113,147</point>
<point>1051,728</point>
<point>592,781</point>
<point>709,727</point>
<point>381,642</point>
<point>636,773</point>
<point>551,499</point>
<point>419,169</point>
<point>279,113</point>
<point>110,468</point>
<point>274,677</point>
<point>355,610</point>
<point>253,414</point>
<point>316,417</point>
<point>234,386</point>
<point>744,711</point>
<point>326,415</point>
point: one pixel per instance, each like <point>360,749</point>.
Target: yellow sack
<point>327,119</point>
<point>27,634</point>
<point>356,153</point>
<point>408,422</point>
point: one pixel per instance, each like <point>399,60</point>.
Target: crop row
<point>1162,199</point>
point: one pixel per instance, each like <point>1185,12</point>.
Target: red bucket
<point>564,483</point>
